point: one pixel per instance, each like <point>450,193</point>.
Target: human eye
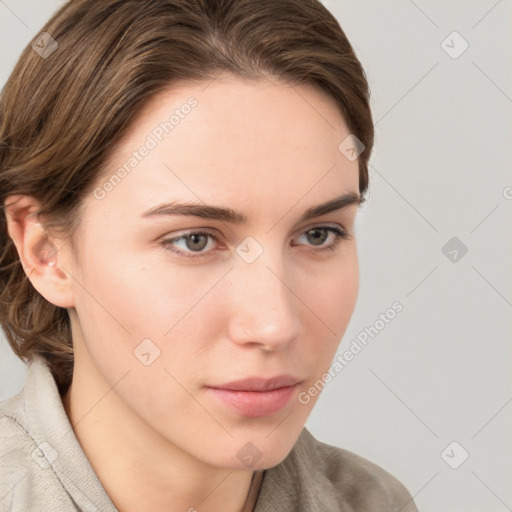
<point>194,242</point>
<point>321,233</point>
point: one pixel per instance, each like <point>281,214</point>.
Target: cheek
<point>125,301</point>
<point>138,317</point>
<point>332,294</point>
<point>330,306</point>
<point>131,292</point>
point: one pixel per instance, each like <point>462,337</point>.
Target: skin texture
<point>265,149</point>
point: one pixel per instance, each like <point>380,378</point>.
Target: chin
<point>253,459</point>
<point>264,450</point>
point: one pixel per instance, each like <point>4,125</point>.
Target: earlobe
<point>38,252</point>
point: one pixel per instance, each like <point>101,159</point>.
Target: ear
<point>41,255</point>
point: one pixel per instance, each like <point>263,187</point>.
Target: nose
<point>264,307</point>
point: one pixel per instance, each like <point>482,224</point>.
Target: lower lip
<point>255,404</point>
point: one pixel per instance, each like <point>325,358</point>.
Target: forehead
<point>232,141</point>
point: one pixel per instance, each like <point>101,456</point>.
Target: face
<point>175,309</point>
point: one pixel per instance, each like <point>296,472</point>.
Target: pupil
<point>322,238</point>
<point>194,241</point>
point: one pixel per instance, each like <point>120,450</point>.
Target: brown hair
<point>62,114</point>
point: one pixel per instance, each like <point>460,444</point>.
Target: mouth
<point>256,397</point>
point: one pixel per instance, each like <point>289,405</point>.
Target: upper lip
<point>259,384</point>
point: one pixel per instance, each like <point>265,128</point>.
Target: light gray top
<point>43,467</point>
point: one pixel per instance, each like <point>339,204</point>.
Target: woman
<point>180,181</point>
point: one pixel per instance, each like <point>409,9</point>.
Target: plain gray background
<point>439,372</point>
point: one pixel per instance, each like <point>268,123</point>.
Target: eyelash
<point>340,234</point>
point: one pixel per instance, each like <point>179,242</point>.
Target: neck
<point>138,468</point>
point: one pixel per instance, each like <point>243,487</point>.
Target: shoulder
<point>354,476</point>
<point>325,477</point>
<point>26,478</point>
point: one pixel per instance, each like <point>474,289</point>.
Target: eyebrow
<point>228,215</point>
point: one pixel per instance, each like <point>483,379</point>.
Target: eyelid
<point>339,231</point>
<point>214,232</point>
